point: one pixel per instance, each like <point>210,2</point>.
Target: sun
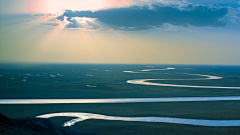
<point>59,6</point>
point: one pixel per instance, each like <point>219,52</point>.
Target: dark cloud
<point>50,24</point>
<point>28,21</point>
<point>142,18</point>
<point>38,15</point>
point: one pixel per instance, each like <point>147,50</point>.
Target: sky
<point>120,31</point>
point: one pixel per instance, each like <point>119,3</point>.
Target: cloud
<point>234,20</point>
<point>161,2</point>
<point>80,22</point>
<point>38,15</point>
<point>50,24</point>
<point>136,18</point>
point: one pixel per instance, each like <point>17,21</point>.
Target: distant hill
<point>36,126</point>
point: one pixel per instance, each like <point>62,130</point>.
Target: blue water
<point>111,82</point>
